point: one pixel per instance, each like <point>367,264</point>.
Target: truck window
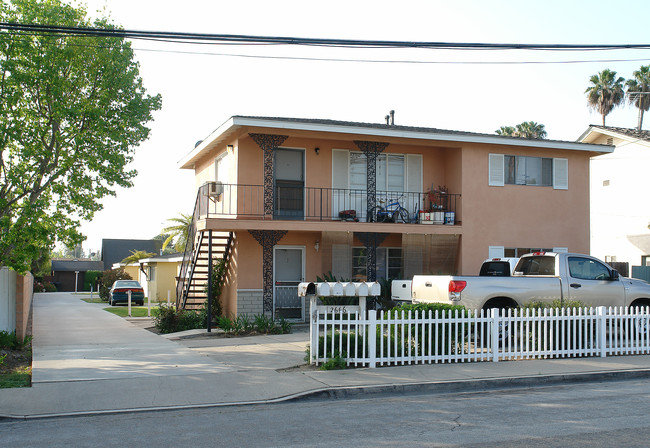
<point>537,265</point>
<point>587,269</point>
<point>495,268</point>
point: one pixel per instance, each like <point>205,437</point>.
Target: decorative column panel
<point>371,150</point>
<point>371,241</point>
<point>268,143</point>
<point>267,239</point>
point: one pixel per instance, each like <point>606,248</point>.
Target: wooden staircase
<point>195,291</point>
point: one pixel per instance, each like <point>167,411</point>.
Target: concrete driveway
<point>78,341</point>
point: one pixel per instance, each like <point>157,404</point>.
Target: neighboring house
<point>275,193</point>
<point>157,275</point>
<point>133,269</point>
<point>116,250</point>
<point>68,273</point>
<point>620,218</point>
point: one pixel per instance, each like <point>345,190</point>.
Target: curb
<point>347,392</point>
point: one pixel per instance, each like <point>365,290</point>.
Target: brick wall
<point>250,301</point>
<point>24,300</point>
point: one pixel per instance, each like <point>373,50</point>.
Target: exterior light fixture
<point>231,148</point>
<point>317,150</point>
<point>317,245</point>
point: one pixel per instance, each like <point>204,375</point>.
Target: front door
<point>288,272</point>
<point>289,191</point>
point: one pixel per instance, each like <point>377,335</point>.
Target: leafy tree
<point>168,250</point>
<point>527,129</point>
<point>73,108</point>
<point>107,279</point>
<point>638,91</point>
<point>605,92</point>
<point>179,232</point>
<point>137,255</point>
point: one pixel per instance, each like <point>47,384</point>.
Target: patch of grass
<point>21,377</point>
<point>123,311</point>
<point>15,360</point>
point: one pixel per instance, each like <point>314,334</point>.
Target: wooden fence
<point>399,338</point>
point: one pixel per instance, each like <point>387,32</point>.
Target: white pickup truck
<point>540,276</point>
<point>493,267</point>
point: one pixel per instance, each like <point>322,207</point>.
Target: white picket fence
<point>391,338</point>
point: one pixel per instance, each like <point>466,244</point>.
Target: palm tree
<point>527,129</point>
<point>530,129</point>
<point>137,255</point>
<point>606,92</point>
<point>638,91</point>
<point>179,232</point>
<point>507,131</point>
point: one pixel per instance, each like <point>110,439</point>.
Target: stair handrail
<point>182,286</point>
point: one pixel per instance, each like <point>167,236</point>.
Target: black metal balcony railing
<point>297,202</point>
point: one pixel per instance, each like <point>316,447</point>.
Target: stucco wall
<point>165,280</point>
<point>619,219</point>
<point>519,215</point>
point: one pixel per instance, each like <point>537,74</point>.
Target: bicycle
<point>389,213</point>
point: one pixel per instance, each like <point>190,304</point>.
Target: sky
<point>204,85</point>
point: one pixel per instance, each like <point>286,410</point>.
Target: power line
<point>303,41</point>
<point>389,61</point>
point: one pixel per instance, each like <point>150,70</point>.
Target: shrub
<point>564,334</point>
<point>557,303</point>
<point>11,341</point>
<point>245,324</point>
<point>43,287</point>
<point>169,320</point>
<point>218,275</point>
<point>337,362</point>
<point>107,279</point>
<point>90,279</point>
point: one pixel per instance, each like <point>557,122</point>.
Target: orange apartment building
<point>286,200</point>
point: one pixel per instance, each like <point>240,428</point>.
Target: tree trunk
<point>638,127</point>
<point>603,120</point>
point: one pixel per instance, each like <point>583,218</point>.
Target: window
<point>513,252</point>
<point>521,170</point>
<point>645,260</point>
<point>389,263</point>
<point>588,269</point>
<point>390,172</point>
<point>525,170</point>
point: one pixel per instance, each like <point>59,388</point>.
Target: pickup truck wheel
<point>504,327</point>
<point>641,324</point>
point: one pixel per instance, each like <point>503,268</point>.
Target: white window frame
<point>497,172</point>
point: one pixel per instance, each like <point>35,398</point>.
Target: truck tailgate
<point>431,288</point>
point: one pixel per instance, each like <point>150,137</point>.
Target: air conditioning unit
<point>215,189</point>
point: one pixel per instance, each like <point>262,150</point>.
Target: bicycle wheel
<point>404,215</point>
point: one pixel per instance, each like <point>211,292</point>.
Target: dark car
<point>119,292</point>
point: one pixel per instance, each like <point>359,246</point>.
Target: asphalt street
<point>601,414</point>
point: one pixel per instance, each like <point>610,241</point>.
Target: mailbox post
<point>313,290</point>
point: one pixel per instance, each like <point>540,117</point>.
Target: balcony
<point>299,203</point>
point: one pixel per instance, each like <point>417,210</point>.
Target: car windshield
<point>127,284</point>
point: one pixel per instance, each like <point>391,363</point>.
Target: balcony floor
<point>233,225</point>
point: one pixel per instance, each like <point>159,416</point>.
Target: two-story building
<point>620,221</point>
<point>292,199</point>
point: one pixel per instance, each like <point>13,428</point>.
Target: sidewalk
<point>89,361</point>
